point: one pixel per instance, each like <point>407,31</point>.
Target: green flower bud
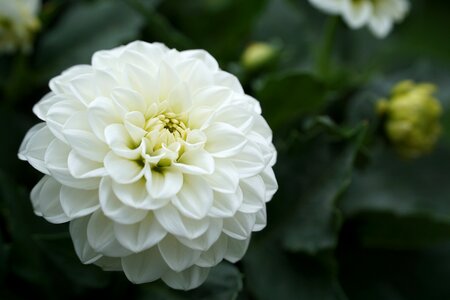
<point>412,118</point>
<point>258,55</point>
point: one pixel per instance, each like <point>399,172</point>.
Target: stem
<point>326,47</point>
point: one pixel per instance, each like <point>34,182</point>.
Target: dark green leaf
<point>315,222</point>
<point>373,274</point>
<point>274,274</point>
<point>85,28</point>
<point>402,187</point>
<point>286,97</point>
<point>387,230</point>
<point>58,248</point>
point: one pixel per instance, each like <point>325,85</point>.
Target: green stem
<point>326,47</point>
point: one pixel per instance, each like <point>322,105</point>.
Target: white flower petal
<point>127,100</point>
<point>169,217</point>
<point>165,183</point>
<point>206,240</point>
<point>168,78</point>
<point>141,79</point>
<point>330,6</point>
<point>119,140</point>
<point>100,234</point>
<point>56,160</point>
<point>380,26</point>
<point>225,178</point>
<point>140,236</point>
<point>78,203</point>
<point>202,55</point>
<point>253,189</point>
<point>101,113</point>
<point>186,280</point>
<point>41,108</point>
<point>270,181</point>
<point>197,75</point>
<point>58,115</point>
<point>146,266</point>
<point>45,199</point>
<point>179,99</point>
<point>212,97</point>
<point>177,256</point>
<point>236,249</point>
<point>109,263</point>
<point>356,13</point>
<point>135,195</point>
<point>225,205</point>
<point>195,197</point>
<point>235,116</point>
<point>240,226</point>
<point>59,84</point>
<point>123,170</point>
<point>214,254</point>
<point>78,232</point>
<point>261,220</point>
<point>228,80</point>
<point>114,208</point>
<point>196,162</point>
<point>250,161</point>
<point>134,123</point>
<point>224,140</point>
<point>81,167</point>
<point>87,87</point>
<point>81,139</point>
<point>34,146</point>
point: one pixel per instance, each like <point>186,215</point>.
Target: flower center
<point>167,123</point>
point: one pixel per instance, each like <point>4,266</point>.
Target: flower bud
<point>18,23</point>
<point>258,55</point>
<point>412,118</point>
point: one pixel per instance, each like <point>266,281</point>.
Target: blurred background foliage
<point>352,220</point>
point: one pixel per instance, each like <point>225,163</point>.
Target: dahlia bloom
<point>378,15</point>
<point>18,23</point>
<point>157,158</point>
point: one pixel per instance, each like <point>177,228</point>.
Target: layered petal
<point>145,266</point>
<point>187,279</point>
<point>159,160</point>
<point>140,236</point>
<point>45,199</point>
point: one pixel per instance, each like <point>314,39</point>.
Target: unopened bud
<point>412,117</point>
<point>258,55</point>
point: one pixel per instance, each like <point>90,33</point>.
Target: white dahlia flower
<point>159,160</point>
<point>379,15</point>
<point>18,23</point>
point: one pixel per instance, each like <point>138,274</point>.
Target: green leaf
<point>387,230</point>
<point>314,223</point>
<point>16,212</point>
<point>58,249</point>
<point>373,274</point>
<point>85,28</point>
<point>224,283</point>
<point>401,187</point>
<point>233,19</point>
<point>4,256</point>
<point>271,273</point>
<point>286,97</point>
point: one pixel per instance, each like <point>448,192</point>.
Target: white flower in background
<point>159,160</point>
<point>379,15</point>
<point>18,23</point>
